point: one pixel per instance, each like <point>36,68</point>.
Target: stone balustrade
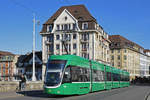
<point>7,86</point>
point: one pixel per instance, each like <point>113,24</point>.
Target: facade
<point>7,66</point>
<point>73,30</point>
<point>144,70</point>
<point>25,63</point>
<point>147,67</point>
<point>126,55</point>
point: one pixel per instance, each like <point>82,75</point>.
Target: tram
<point>70,75</point>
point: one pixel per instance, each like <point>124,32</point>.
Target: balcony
<point>84,40</point>
<point>67,31</point>
<point>50,53</point>
<point>48,42</point>
<point>84,49</point>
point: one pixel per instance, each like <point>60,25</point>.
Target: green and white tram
<point>70,74</point>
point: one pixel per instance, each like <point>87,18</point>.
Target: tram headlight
<point>58,91</point>
<point>49,90</point>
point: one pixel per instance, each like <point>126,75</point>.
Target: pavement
<point>140,93</point>
<point>13,94</point>
<point>6,95</point>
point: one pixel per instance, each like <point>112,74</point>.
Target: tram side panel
<point>108,80</point>
<point>98,77</point>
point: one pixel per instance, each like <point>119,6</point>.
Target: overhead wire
<point>28,9</point>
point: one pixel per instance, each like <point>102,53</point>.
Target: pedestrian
<point>22,82</point>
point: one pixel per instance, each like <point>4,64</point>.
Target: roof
<point>122,40</point>
<point>25,58</point>
<point>80,12</point>
<point>29,56</point>
<point>146,50</point>
<point>4,53</point>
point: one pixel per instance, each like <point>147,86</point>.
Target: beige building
<point>125,55</point>
<point>146,69</point>
<point>73,30</point>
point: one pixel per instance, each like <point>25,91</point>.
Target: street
<point>128,93</point>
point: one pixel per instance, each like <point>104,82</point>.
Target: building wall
<point>90,44</point>
<point>126,59</point>
<point>6,66</point>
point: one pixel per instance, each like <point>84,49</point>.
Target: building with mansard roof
<point>73,30</point>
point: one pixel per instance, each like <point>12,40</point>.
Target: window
<point>107,51</point>
<point>58,28</point>
<point>74,26</point>
<point>50,28</point>
<point>122,77</point>
<point>118,64</point>
<point>116,77</point>
<point>67,75</point>
<point>108,76</point>
<point>85,36</point>
<point>125,57</point>
<point>84,47</point>
<point>50,38</point>
<point>84,25</point>
<point>51,47</point>
<point>118,51</point>
<point>65,18</point>
<point>57,37</point>
<point>125,50</point>
<point>67,37</point>
<point>74,36</point>
<point>65,27</point>
<point>57,47</point>
<point>76,74</point>
<point>69,26</point>
<point>98,75</point>
<point>69,47</point>
<point>112,57</point>
<point>62,27</point>
<point>112,51</point>
<point>118,57</point>
<point>74,46</point>
<point>112,63</point>
<point>0,68</point>
<point>80,74</point>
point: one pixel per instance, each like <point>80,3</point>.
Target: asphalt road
<point>128,93</point>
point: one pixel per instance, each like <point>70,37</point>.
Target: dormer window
<point>84,26</point>
<point>50,28</point>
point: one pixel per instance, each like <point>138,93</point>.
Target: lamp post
<point>33,51</point>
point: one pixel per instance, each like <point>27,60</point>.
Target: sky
<point>128,18</point>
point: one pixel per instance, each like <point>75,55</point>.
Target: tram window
<point>115,77</point>
<point>98,75</point>
<point>126,78</point>
<point>74,74</point>
<point>122,78</point>
<point>67,76</point>
<point>108,76</point>
<point>80,74</point>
